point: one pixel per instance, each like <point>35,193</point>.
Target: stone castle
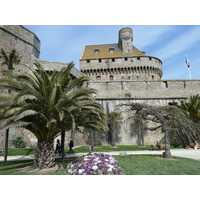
<point>121,74</point>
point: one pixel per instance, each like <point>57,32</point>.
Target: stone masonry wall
<point>146,89</point>
<point>24,41</point>
<point>132,68</point>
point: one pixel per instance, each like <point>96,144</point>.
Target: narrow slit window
<point>88,61</point>
<point>100,60</point>
<point>165,84</point>
<point>113,59</point>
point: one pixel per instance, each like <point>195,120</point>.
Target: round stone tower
<point>125,40</point>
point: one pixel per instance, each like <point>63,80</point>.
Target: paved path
<point>186,153</point>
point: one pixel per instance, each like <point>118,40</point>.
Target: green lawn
<point>14,168</point>
<point>155,165</point>
<point>19,152</point>
<point>131,165</point>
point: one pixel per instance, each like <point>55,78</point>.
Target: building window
<point>138,58</point>
<point>150,58</point>
<point>100,60</point>
<point>111,50</point>
<point>125,59</point>
<point>165,84</point>
<point>172,103</point>
<point>111,77</point>
<point>113,59</point>
<point>98,78</point>
<point>152,77</point>
<point>88,61</point>
<point>96,51</point>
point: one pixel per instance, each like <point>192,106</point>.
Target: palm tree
<point>191,106</point>
<point>114,119</point>
<point>48,105</point>
<point>9,59</point>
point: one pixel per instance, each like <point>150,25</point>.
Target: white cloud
<point>144,36</point>
<point>179,44</point>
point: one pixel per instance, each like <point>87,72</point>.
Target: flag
<point>187,61</point>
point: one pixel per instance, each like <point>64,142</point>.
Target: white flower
<point>80,170</point>
<point>110,170</point>
<point>94,167</point>
<point>110,166</point>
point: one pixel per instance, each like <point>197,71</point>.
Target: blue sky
<point>170,43</point>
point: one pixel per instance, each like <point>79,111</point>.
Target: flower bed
<point>95,164</point>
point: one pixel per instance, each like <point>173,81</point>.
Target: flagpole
<point>189,73</point>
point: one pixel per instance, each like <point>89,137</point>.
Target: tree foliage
<point>114,120</point>
<point>47,105</point>
<point>10,58</point>
<point>191,106</point>
<point>182,130</point>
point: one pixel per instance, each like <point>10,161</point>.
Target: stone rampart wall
<point>146,89</point>
<point>24,41</point>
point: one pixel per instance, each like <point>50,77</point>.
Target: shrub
<point>19,142</point>
<point>94,164</point>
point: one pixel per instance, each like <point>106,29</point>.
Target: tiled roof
<point>104,52</point>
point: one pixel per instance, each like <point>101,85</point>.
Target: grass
<point>131,165</point>
<point>15,167</point>
<point>19,152</point>
<point>155,165</point>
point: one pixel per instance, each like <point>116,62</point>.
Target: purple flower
<point>93,164</point>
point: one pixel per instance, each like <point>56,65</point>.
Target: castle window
<point>138,58</point>
<point>113,60</point>
<point>152,77</point>
<point>111,50</point>
<point>100,60</point>
<point>111,77</point>
<point>98,78</point>
<point>96,51</point>
<point>88,61</point>
<point>165,84</point>
<point>125,59</point>
<point>149,58</point>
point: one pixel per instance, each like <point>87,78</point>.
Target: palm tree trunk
<point>44,157</point>
<point>62,144</point>
<point>10,67</point>
<point>6,145</point>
